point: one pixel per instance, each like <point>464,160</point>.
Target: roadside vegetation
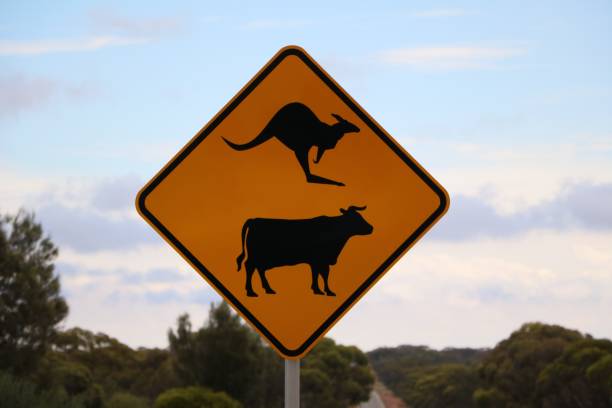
<point>220,364</point>
<point>224,364</point>
<point>539,365</point>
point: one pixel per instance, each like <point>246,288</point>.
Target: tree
<point>31,306</point>
<point>449,385</point>
<point>423,377</point>
<point>335,376</point>
<point>21,393</point>
<point>223,355</point>
<point>510,371</point>
<point>82,362</point>
<point>581,376</point>
<point>195,397</point>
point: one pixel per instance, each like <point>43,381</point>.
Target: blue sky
<point>507,104</point>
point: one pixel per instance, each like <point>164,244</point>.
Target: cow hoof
<point>251,294</point>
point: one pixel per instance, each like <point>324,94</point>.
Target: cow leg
<point>315,280</point>
<point>249,274</point>
<point>325,273</point>
<point>264,281</point>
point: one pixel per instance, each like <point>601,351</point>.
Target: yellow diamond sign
<point>292,202</point>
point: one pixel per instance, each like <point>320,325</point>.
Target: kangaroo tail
<point>262,137</point>
<point>244,232</point>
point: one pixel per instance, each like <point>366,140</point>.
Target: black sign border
<point>284,53</point>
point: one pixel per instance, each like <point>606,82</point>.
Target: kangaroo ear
<point>343,211</point>
<point>337,117</point>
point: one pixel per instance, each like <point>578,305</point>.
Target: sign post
<point>292,383</point>
<point>292,202</point>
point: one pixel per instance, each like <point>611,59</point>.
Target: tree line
<point>221,364</point>
<point>539,365</point>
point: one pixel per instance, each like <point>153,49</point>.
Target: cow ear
<point>343,211</point>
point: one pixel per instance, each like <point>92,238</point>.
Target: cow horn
<point>355,208</point>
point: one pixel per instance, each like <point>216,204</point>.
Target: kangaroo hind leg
<point>302,156</point>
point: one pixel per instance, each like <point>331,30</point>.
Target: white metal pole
<point>292,383</point>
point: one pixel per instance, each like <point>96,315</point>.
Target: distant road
<point>374,402</point>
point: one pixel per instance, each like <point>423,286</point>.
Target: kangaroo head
<point>343,125</point>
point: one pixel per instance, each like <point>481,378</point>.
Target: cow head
<point>356,223</point>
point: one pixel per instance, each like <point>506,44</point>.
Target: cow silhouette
<point>318,241</point>
<point>298,128</point>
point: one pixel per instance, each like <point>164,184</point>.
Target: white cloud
<point>584,206</point>
<point>449,57</point>
<point>475,293</point>
<point>137,260</point>
<point>18,190</point>
<point>37,47</point>
<point>124,32</point>
<point>134,294</point>
<point>109,20</point>
<point>132,319</point>
<point>442,293</point>
<point>20,93</point>
<point>511,179</point>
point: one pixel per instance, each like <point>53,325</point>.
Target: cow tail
<point>241,256</point>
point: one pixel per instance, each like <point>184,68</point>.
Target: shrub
<point>15,393</point>
<point>195,397</point>
<point>126,400</point>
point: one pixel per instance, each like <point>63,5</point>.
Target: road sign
<point>292,202</point>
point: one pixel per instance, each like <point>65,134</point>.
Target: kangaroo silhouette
<point>298,128</point>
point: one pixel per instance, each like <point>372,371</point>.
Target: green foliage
<point>81,360</point>
<point>449,385</point>
<point>195,397</point>
<point>74,377</point>
<point>154,373</point>
<point>539,365</point>
<point>93,370</point>
<point>489,398</point>
<point>582,375</point>
<point>15,393</point>
<point>335,376</point>
<point>423,377</point>
<point>30,302</point>
<point>125,400</point>
<point>226,355</point>
<point>514,365</point>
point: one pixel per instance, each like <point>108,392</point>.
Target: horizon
<point>507,107</point>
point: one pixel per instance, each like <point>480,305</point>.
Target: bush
<point>126,400</point>
<point>195,397</point>
<point>16,393</point>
